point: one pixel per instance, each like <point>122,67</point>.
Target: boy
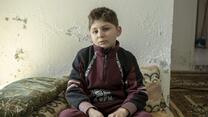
<point>105,80</point>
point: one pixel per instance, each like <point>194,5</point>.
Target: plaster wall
<point>42,37</point>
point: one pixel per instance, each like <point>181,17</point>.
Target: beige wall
<point>41,37</point>
<point>184,22</point>
<point>184,56</point>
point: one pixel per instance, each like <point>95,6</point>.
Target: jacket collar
<point>102,51</point>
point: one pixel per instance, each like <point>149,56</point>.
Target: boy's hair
<point>104,14</point>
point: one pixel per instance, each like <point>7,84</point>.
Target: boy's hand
<point>120,112</point>
<point>94,113</point>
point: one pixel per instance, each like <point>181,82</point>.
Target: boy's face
<point>104,34</point>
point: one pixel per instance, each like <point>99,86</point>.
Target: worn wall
<point>184,23</point>
<point>41,38</point>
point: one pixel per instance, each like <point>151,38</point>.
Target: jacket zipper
<point>104,66</point>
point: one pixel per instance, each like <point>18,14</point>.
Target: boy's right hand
<point>94,113</point>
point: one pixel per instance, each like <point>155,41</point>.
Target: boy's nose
<point>100,34</point>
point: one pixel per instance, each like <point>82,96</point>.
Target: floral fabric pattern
<point>53,108</point>
<point>22,97</point>
<point>152,83</point>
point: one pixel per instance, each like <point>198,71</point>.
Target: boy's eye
<point>95,31</point>
<point>105,29</point>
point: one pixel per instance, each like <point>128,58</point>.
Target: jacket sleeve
<point>76,93</point>
<point>136,91</point>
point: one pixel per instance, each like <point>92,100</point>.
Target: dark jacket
<point>106,79</point>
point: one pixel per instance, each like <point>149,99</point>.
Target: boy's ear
<point>119,30</point>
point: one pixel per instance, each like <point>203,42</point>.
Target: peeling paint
<point>71,30</point>
<point>24,26</point>
<point>75,31</point>
<point>19,55</point>
<point>162,63</point>
<point>161,33</point>
<point>18,70</point>
<point>18,19</point>
<point>6,18</point>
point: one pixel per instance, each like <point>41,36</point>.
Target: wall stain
<point>162,63</point>
<point>6,18</point>
<point>18,19</point>
<point>18,70</point>
<point>24,26</point>
<point>161,33</point>
<point>76,32</point>
<point>19,55</point>
<point>71,30</point>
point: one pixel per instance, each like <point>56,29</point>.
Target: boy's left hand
<point>120,112</point>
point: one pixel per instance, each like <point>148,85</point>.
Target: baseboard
<point>189,73</point>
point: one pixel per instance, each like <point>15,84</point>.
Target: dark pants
<point>73,112</point>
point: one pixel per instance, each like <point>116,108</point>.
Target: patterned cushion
<point>22,97</point>
<point>152,83</point>
<point>52,108</point>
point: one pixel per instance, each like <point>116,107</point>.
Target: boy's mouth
<point>102,42</point>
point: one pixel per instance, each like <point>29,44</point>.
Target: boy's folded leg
<point>72,112</point>
<point>142,114</point>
